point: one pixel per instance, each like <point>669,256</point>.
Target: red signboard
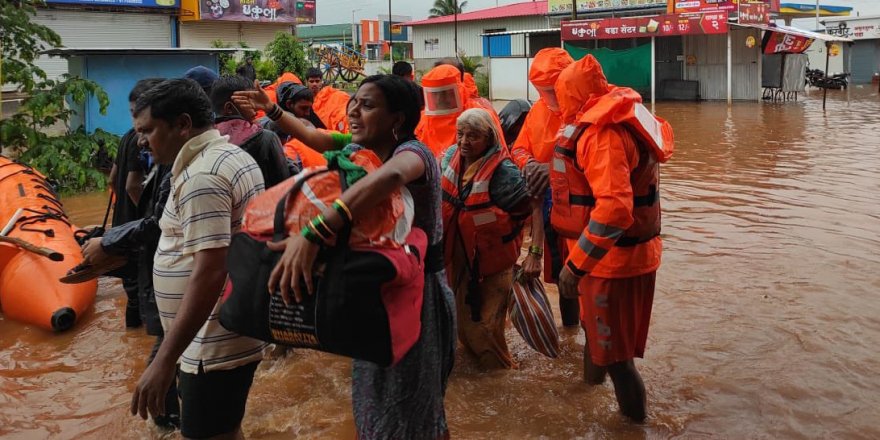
<point>633,27</point>
<point>777,42</point>
<point>697,6</point>
<point>754,13</point>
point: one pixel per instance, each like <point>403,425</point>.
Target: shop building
<point>435,38</point>
<point>863,61</point>
<point>133,24</point>
<point>252,22</point>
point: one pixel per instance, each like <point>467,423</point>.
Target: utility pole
<point>354,28</point>
<point>390,35</point>
<point>455,28</point>
<point>574,9</point>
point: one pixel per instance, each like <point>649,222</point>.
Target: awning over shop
<point>786,39</point>
<point>796,32</point>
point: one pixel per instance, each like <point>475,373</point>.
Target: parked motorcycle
<point>838,81</point>
<point>814,77</point>
<point>817,78</point>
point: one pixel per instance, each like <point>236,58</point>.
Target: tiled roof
<point>524,9</point>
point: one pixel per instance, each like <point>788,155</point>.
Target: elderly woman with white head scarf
<point>485,206</point>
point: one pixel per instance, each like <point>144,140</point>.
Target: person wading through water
<point>605,180</point>
<point>532,152</point>
<point>485,205</point>
<point>404,401</point>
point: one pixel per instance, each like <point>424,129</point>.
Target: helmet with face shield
<point>443,91</point>
<point>545,71</point>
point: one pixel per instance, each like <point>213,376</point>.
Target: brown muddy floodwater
<point>766,321</point>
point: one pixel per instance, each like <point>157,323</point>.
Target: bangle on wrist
<point>343,211</point>
<point>310,236</point>
<point>537,251</point>
<point>275,113</point>
<point>321,227</point>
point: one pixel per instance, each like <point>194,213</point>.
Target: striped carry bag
<point>532,317</point>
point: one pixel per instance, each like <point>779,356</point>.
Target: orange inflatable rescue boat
<point>35,230</point>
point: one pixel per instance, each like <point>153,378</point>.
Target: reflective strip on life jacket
<point>490,237</point>
<point>580,201</point>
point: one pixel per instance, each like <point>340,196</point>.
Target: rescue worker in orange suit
<point>470,86</point>
<point>605,178</point>
<point>474,93</point>
<point>485,205</point>
<point>445,99</point>
<point>532,152</point>
<point>331,105</point>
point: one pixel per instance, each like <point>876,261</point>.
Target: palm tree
<point>446,7</point>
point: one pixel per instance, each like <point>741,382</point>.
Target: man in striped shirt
<point>211,183</point>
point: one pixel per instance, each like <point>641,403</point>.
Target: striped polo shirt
<point>212,182</point>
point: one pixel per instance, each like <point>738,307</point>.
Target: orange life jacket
<point>572,196</point>
<point>490,237</point>
<point>331,106</point>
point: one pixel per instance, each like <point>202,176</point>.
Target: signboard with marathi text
<point>757,9</point>
<point>697,6</point>
<point>855,29</point>
<point>123,3</point>
<point>259,11</point>
<point>564,6</point>
<point>634,27</point>
<point>754,13</point>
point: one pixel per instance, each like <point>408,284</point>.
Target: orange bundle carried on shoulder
<point>388,224</point>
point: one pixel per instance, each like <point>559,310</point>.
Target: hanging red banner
<point>777,42</point>
<point>634,27</point>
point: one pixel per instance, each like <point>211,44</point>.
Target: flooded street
<point>766,319</point>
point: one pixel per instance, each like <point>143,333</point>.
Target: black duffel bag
<point>367,302</point>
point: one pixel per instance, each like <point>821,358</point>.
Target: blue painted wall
<point>496,46</point>
<point>117,74</point>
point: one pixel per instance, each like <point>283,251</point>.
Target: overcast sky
<point>340,11</point>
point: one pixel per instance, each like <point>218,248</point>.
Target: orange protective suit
<point>471,86</point>
<point>331,106</point>
<point>474,94</point>
<point>611,151</point>
<point>296,150</point>
<point>538,135</point>
<point>446,97</point>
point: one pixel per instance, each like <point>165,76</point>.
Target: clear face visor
<point>549,97</point>
<point>443,100</point>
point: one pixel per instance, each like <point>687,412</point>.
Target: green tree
<point>225,59</point>
<point>71,158</point>
<point>470,64</point>
<point>288,54</point>
<point>443,8</point>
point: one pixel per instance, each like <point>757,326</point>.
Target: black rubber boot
<point>132,307</point>
<point>570,310</point>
